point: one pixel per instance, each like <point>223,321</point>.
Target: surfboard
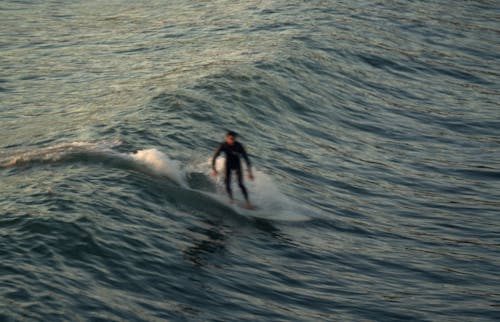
<point>243,205</point>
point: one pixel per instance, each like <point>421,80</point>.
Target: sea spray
<point>161,164</point>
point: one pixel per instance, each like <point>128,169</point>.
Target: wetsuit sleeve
<point>245,156</point>
<point>217,153</point>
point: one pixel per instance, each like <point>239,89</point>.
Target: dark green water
<point>373,127</point>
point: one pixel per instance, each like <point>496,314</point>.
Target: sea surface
<point>373,128</point>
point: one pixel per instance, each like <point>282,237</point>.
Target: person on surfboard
<point>233,150</point>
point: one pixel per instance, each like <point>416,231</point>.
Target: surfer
<point>233,150</point>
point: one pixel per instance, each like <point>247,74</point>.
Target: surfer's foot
<point>248,205</point>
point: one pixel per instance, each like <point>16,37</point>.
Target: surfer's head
<point>231,137</point>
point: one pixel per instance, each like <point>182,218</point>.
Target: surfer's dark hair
<point>231,133</point>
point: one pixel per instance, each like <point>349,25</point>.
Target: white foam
<point>264,193</point>
<point>161,164</point>
<point>271,203</point>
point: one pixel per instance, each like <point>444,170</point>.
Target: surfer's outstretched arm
<point>216,155</point>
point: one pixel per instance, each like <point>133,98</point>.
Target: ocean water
<point>373,128</point>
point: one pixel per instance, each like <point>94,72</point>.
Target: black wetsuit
<point>233,162</point>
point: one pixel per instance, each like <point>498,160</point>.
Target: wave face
<point>373,129</point>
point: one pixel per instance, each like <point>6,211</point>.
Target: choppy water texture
<point>373,127</point>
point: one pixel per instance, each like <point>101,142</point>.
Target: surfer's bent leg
<point>227,181</point>
<point>240,182</point>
